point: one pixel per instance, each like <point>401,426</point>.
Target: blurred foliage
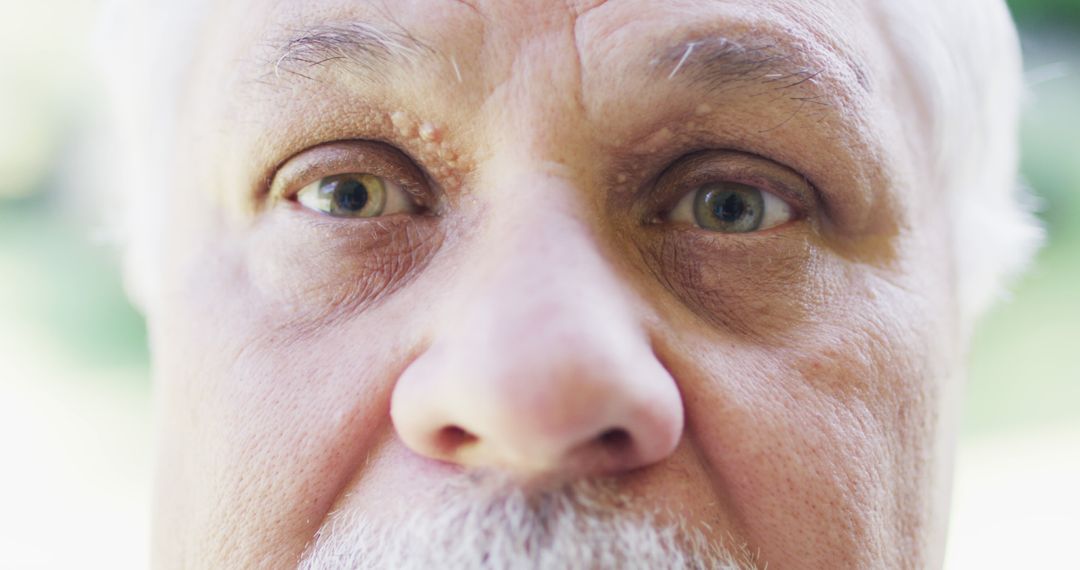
<point>68,284</point>
<point>1023,365</point>
<point>1046,12</point>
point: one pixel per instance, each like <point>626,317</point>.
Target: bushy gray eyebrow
<point>718,63</point>
<point>715,62</point>
<point>360,46</point>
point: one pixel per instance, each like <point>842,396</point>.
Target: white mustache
<point>481,522</point>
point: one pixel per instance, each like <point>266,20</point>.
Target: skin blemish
<point>426,140</point>
<point>703,109</point>
<point>654,142</point>
<point>403,123</point>
<point>448,155</point>
<point>429,132</point>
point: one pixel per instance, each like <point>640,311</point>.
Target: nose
<point>543,367</point>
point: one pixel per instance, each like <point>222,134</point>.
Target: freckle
<point>430,132</point>
<point>447,155</point>
<point>703,109</point>
<point>403,124</point>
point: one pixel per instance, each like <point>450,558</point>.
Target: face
<point>662,273</point>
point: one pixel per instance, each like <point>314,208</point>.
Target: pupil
<point>730,208</point>
<point>350,195</point>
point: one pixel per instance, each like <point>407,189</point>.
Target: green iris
<point>729,207</point>
<point>346,196</point>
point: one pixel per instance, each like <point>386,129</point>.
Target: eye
<point>355,195</point>
<point>731,207</point>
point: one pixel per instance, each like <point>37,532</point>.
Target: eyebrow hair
<point>361,46</point>
<point>720,63</point>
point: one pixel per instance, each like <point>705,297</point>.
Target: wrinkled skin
<point>541,314</point>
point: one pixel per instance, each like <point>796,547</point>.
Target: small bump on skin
<point>703,109</point>
<point>621,178</point>
<point>404,125</point>
<point>430,132</point>
<point>427,140</point>
<point>655,142</point>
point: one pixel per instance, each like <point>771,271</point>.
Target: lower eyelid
<point>319,265</point>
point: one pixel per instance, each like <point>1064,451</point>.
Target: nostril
<point>616,440</point>
<point>451,438</point>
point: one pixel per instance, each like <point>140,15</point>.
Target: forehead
<point>595,39</point>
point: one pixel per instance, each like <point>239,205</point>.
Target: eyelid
<point>352,156</point>
<point>696,169</point>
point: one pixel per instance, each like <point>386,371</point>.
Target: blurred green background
<point>74,388</point>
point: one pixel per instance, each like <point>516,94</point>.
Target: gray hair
<point>962,55</point>
<point>480,524</point>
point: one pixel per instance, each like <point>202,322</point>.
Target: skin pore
<point>538,308</point>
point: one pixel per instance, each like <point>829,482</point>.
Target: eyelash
<point>690,171</point>
<point>346,157</point>
<point>684,175</point>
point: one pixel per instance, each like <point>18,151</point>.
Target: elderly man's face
<point>596,284</point>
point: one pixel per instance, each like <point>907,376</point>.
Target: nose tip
<point>543,419</point>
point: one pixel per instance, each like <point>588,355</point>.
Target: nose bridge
<point>543,254</point>
<point>539,256</point>
<point>544,363</point>
<point>545,319</point>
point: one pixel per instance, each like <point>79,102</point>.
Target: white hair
<point>963,55</point>
<point>481,524</point>
<point>146,49</point>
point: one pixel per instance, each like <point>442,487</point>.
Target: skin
<point>795,388</point>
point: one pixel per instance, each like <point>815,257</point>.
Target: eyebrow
<point>715,63</point>
<point>718,63</point>
<point>362,47</point>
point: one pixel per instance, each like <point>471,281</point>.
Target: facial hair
<point>477,523</point>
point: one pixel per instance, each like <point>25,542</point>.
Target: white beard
<point>580,525</point>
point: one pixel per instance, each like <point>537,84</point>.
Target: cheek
<point>820,434</point>
<point>266,416</point>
